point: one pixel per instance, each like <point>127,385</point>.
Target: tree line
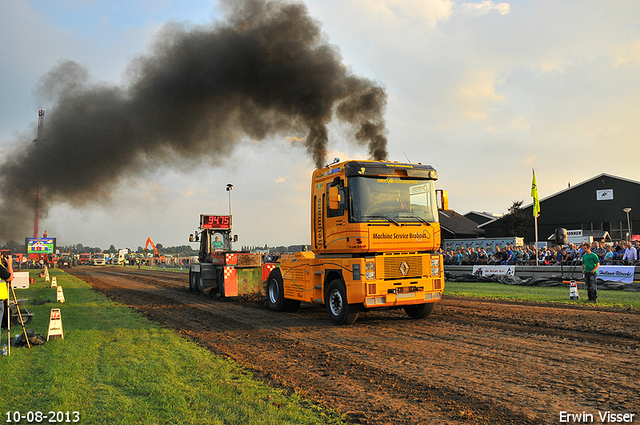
<point>182,250</point>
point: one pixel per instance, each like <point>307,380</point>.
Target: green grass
<point>116,367</point>
<point>491,290</point>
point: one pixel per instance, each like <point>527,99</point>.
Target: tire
<point>275,290</point>
<point>192,280</point>
<point>339,311</point>
<point>419,311</point>
<point>200,283</point>
<point>16,320</point>
<point>275,294</point>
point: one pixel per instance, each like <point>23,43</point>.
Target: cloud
<point>627,53</point>
<point>485,7</point>
<point>476,94</point>
<point>482,90</point>
<point>429,11</point>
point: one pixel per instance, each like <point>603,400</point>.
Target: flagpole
<point>536,227</point>
<point>536,210</point>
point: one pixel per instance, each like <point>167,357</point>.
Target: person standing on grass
<point>6,274</point>
<point>590,264</point>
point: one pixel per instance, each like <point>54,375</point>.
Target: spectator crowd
<point>618,253</point>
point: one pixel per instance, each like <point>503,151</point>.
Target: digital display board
<point>215,221</point>
<point>41,245</point>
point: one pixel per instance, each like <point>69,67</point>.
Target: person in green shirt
<point>217,243</point>
<point>590,264</point>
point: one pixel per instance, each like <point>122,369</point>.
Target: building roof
<point>530,205</point>
<point>459,225</point>
<point>580,184</point>
<point>481,217</point>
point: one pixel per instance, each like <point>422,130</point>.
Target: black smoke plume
<point>266,70</point>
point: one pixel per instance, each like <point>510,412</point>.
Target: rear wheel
<point>193,279</point>
<point>200,283</point>
<point>419,311</point>
<point>340,312</point>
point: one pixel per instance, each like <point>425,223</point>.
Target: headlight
<point>370,270</point>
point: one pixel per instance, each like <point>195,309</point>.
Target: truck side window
<point>339,212</point>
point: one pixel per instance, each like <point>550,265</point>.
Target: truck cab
<point>375,239</point>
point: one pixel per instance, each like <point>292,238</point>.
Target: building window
<point>618,230</point>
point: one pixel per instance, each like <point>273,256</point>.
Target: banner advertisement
<point>616,273</point>
<point>494,270</point>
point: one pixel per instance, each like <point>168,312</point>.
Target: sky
<point>482,91</point>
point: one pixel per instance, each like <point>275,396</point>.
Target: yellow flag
<point>534,194</point>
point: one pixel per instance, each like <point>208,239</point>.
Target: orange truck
<point>374,243</point>
<point>85,258</point>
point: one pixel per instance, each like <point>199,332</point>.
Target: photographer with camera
<point>6,274</point>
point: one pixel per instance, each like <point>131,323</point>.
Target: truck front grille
<point>402,267</point>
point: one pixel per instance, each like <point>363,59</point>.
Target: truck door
<point>336,215</point>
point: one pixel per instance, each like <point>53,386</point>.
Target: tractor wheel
<point>339,311</point>
<point>419,311</point>
<point>200,283</point>
<point>193,277</point>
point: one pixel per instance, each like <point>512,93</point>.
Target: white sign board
<point>20,280</point>
<point>59,295</point>
<point>604,195</point>
<point>55,325</point>
<point>616,273</point>
<point>494,270</point>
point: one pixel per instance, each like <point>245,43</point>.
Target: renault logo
<point>404,268</point>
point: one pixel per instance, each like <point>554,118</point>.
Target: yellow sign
<point>55,325</point>
<point>386,236</point>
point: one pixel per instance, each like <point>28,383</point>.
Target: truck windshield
<point>394,199</point>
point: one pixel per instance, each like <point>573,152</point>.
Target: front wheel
<point>275,290</point>
<point>419,311</point>
<point>275,294</point>
<point>340,312</point>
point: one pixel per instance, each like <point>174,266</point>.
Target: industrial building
<point>603,207</point>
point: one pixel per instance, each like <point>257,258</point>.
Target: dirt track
<point>470,362</point>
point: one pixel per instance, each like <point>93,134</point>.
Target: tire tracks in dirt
<point>470,362</point>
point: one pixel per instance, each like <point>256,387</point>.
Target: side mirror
<point>235,238</point>
<point>191,237</point>
<point>334,198</point>
<point>443,199</point>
